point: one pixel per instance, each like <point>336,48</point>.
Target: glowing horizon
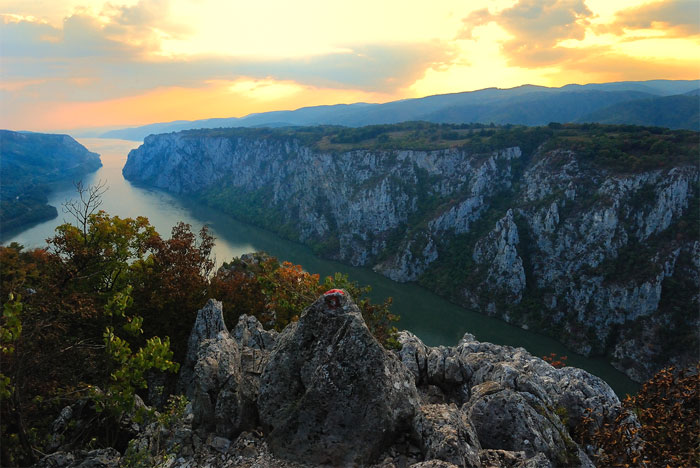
<point>84,64</point>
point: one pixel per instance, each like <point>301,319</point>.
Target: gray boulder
<point>216,402</point>
<point>331,394</point>
<point>440,366</point>
<point>249,333</point>
<point>209,322</point>
<point>255,344</point>
<point>212,377</point>
<point>515,421</point>
<point>444,433</point>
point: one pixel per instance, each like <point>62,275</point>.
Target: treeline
<point>615,147</point>
<point>107,307</point>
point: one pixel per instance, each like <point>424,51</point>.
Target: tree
<point>75,333</point>
<point>277,293</point>
<point>97,249</point>
<point>665,430</point>
<point>171,283</point>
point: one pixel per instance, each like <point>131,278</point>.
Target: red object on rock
<point>334,291</point>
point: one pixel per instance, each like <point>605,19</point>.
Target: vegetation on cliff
<point>665,431</point>
<point>108,304</point>
<point>30,161</point>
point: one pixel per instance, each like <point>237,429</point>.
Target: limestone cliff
<point>554,235</point>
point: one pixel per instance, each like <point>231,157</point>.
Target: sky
<point>77,64</point>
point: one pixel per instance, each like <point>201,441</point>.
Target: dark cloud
<point>536,26</point>
<point>81,36</point>
<point>677,18</point>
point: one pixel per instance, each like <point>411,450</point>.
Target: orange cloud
<point>599,68</point>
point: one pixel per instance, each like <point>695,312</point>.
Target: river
<point>433,319</point>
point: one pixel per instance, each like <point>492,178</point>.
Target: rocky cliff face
<point>605,260</point>
<point>324,392</point>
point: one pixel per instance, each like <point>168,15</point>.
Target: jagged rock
<point>255,344</point>
<point>330,393</point>
<point>499,254</point>
<point>217,374</point>
<point>224,381</point>
<point>435,464</point>
<point>510,420</point>
<point>535,401</point>
<point>439,366</point>
<point>445,434</point>
<point>209,322</point>
<point>100,458</point>
<point>249,333</point>
<point>579,391</point>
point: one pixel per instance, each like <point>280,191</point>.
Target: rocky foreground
<point>324,392</point>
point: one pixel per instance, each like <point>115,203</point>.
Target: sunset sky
<point>68,64</point>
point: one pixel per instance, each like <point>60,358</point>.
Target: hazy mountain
<point>528,105</point>
<point>676,112</point>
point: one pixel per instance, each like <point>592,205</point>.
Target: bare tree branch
<point>88,204</point>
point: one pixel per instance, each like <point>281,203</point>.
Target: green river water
<point>432,318</point>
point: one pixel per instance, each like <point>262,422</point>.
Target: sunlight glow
<point>140,61</point>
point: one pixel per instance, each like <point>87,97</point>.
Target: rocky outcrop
<point>207,326</point>
<point>328,394</point>
<point>497,255</point>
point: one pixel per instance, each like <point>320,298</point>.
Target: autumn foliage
<point>659,427</point>
<point>278,292</point>
<point>108,302</point>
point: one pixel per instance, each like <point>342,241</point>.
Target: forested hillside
<point>30,161</point>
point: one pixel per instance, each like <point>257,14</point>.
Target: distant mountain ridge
<point>681,111</point>
<point>525,105</point>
